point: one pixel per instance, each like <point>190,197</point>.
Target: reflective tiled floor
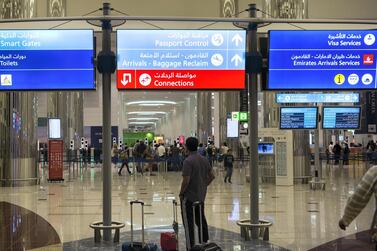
<point>302,218</point>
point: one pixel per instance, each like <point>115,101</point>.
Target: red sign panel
<point>180,79</point>
<point>55,160</point>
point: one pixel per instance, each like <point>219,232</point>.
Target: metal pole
<point>106,129</point>
<point>253,122</point>
<point>317,163</point>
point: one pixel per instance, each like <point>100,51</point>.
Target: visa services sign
<point>181,59</point>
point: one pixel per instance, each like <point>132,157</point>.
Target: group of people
<point>335,151</point>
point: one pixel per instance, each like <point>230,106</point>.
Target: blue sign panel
<point>46,60</point>
<point>298,117</point>
<point>287,98</point>
<point>265,148</point>
<point>181,59</point>
<point>341,118</point>
<point>322,60</point>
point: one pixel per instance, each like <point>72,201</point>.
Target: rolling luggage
<point>169,240</point>
<point>210,246</point>
<point>138,246</point>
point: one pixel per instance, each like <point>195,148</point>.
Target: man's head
<point>192,144</point>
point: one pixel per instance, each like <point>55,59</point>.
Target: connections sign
<point>322,60</point>
<point>46,60</point>
<point>181,59</point>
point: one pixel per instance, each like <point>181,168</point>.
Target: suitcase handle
<point>194,205</point>
<point>142,221</point>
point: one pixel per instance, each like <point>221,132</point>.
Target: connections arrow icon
<point>236,59</point>
<point>237,39</point>
<point>126,79</point>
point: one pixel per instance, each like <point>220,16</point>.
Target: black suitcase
<point>138,246</point>
<point>210,246</point>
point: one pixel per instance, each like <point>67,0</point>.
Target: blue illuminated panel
<point>322,60</point>
<point>341,118</point>
<point>265,148</point>
<point>298,117</point>
<point>46,60</point>
<point>287,98</point>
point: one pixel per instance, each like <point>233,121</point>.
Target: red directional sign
<point>181,59</point>
<point>180,79</point>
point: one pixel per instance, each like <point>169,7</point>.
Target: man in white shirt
<point>161,156</point>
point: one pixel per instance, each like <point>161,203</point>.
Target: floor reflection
<point>21,229</point>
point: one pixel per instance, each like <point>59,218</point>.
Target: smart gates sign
<point>181,59</point>
<point>46,60</point>
<point>326,60</point>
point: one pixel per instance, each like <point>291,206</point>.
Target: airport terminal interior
<point>293,102</point>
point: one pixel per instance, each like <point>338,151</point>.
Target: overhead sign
<point>322,60</point>
<point>287,98</point>
<point>181,59</point>
<point>46,60</point>
<point>298,117</point>
<point>341,117</point>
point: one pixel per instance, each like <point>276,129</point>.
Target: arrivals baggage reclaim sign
<point>46,60</point>
<point>325,60</point>
<point>181,59</point>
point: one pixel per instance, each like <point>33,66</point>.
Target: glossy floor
<point>302,218</point>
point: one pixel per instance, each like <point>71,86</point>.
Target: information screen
<point>265,148</point>
<point>298,117</point>
<point>341,117</point>
<point>181,59</point>
<point>232,128</point>
<point>54,129</point>
<point>325,60</point>
<point>288,98</point>
<point>46,60</point>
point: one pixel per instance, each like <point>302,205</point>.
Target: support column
<point>289,9</point>
<point>68,106</point>
<point>18,113</point>
<point>204,116</point>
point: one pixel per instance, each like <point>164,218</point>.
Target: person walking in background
<point>114,154</point>
<point>123,156</point>
<point>337,150</point>
<point>228,164</point>
<point>197,174</point>
<point>359,199</point>
<point>346,153</point>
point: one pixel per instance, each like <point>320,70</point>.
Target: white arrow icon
<point>127,78</point>
<point>236,59</point>
<point>237,39</point>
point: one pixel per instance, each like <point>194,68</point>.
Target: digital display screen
<point>54,129</point>
<point>46,60</point>
<point>232,128</point>
<point>298,117</point>
<point>322,60</point>
<point>265,148</point>
<point>341,117</point>
<point>290,98</point>
<point>181,59</point>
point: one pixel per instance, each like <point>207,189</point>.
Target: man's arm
<point>184,184</point>
<point>360,197</point>
<point>211,177</point>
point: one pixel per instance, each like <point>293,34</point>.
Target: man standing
<point>197,175</point>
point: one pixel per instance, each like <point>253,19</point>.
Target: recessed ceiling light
<point>147,113</point>
<point>151,102</point>
<point>142,123</point>
<point>146,118</point>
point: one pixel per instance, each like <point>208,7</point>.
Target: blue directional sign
<point>298,117</point>
<point>46,60</point>
<point>322,60</point>
<point>290,98</point>
<point>181,59</point>
<point>341,117</point>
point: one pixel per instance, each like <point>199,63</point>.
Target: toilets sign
<point>322,60</point>
<point>46,60</point>
<point>181,59</point>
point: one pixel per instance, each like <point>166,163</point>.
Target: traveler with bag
<point>197,175</point>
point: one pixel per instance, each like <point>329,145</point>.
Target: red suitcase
<point>169,240</point>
